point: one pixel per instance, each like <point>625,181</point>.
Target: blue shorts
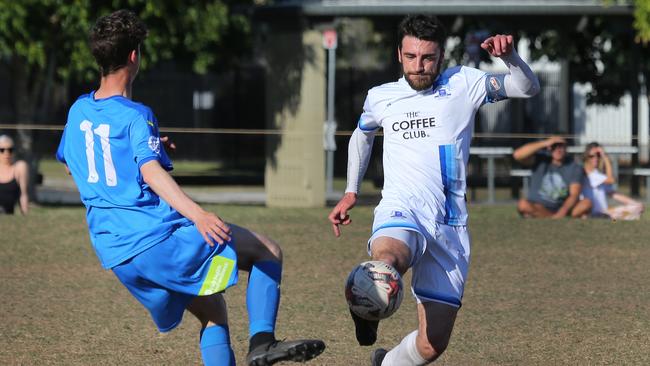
<point>167,276</point>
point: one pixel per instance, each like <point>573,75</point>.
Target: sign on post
<point>329,39</point>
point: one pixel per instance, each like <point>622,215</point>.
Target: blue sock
<point>215,346</point>
<point>263,296</point>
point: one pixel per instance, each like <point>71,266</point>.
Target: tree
<point>642,20</point>
<point>599,50</point>
<point>43,43</point>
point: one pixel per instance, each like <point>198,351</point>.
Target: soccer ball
<point>374,290</point>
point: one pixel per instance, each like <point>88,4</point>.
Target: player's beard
<point>424,80</point>
<point>420,81</point>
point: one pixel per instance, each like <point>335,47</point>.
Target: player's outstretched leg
<point>436,321</point>
<point>215,338</point>
<point>395,253</point>
<point>262,258</point>
<point>365,330</point>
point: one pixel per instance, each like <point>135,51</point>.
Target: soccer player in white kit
<point>427,117</point>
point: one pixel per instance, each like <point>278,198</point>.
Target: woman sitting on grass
<point>13,179</point>
<point>598,187</point>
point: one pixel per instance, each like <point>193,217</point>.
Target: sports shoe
<point>299,351</point>
<point>377,357</point>
<point>365,330</point>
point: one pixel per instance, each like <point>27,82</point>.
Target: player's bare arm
<point>340,214</point>
<point>209,225</point>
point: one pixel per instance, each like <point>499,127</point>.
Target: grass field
<point>567,292</point>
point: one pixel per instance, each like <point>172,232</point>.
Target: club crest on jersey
<point>442,92</point>
<point>154,144</point>
<point>397,214</point>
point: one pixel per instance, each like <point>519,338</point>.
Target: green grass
<point>566,292</point>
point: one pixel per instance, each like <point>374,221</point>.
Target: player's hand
<point>212,228</point>
<point>339,215</point>
<point>498,45</point>
<point>169,144</point>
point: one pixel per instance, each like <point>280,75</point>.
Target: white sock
<point>405,354</point>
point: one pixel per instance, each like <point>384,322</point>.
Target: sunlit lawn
<point>567,292</point>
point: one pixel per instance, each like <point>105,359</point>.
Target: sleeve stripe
<point>364,128</point>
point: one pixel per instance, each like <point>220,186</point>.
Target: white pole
<point>330,123</point>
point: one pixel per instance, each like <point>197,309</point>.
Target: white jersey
<point>427,136</point>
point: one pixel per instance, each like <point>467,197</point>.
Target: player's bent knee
<point>391,252</point>
<point>273,247</point>
<point>430,348</point>
<point>253,247</point>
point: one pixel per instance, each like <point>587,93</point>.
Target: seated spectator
<point>556,181</point>
<point>597,187</point>
<point>13,179</point>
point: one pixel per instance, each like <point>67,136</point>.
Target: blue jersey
<point>104,144</point>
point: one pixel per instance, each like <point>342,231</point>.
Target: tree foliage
<point>43,43</point>
<point>600,51</point>
<point>642,20</point>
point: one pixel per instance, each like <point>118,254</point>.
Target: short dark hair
<point>425,27</point>
<point>113,37</point>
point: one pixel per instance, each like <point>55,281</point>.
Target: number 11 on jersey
<point>109,169</point>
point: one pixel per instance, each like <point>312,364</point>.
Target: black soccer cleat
<point>298,351</point>
<point>377,357</point>
<point>365,330</point>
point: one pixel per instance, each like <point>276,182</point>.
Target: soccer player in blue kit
<point>427,118</point>
<point>167,251</point>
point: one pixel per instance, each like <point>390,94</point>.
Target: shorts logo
<point>495,83</point>
<point>397,214</point>
<point>219,276</point>
<point>154,144</point>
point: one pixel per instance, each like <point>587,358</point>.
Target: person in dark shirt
<point>556,181</point>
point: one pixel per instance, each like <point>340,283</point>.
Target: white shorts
<point>440,253</point>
